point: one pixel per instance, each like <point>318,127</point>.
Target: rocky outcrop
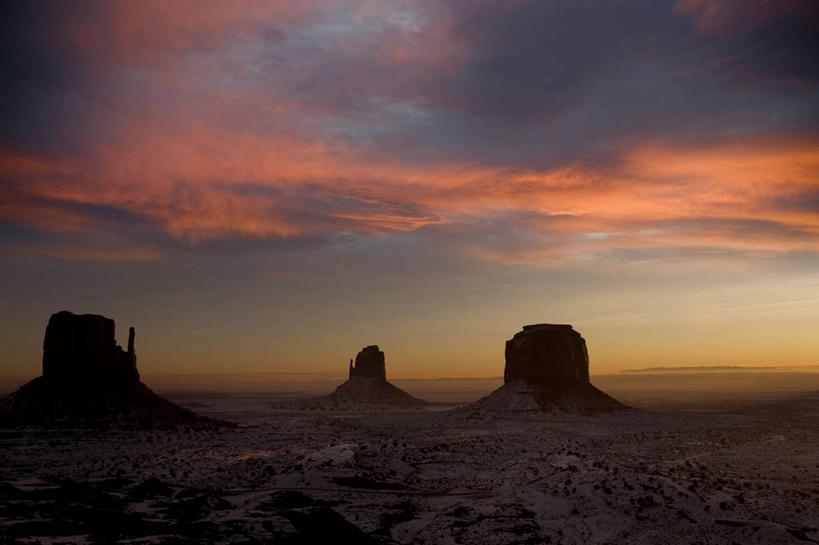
<point>547,367</point>
<point>549,355</point>
<point>368,385</point>
<point>89,381</point>
<point>369,363</point>
<point>82,349</point>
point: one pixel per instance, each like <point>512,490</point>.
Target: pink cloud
<point>206,186</point>
<point>222,150</point>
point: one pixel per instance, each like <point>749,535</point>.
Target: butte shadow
<point>89,381</point>
<point>547,368</point>
<point>367,385</point>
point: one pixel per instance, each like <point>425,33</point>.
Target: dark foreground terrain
<point>422,476</point>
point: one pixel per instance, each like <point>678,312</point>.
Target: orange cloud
<point>205,185</point>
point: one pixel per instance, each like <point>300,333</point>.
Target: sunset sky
<point>267,187</point>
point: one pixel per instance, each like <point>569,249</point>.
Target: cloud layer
<point>513,131</point>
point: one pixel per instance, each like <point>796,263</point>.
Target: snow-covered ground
<point>422,476</point>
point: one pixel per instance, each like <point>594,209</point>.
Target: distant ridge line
<point>701,368</point>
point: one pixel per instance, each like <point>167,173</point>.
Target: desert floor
<point>749,474</point>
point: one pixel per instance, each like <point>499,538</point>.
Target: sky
<point>267,187</point>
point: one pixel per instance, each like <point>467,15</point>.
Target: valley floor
<point>421,477</point>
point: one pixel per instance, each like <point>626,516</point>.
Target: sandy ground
<point>435,476</point>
